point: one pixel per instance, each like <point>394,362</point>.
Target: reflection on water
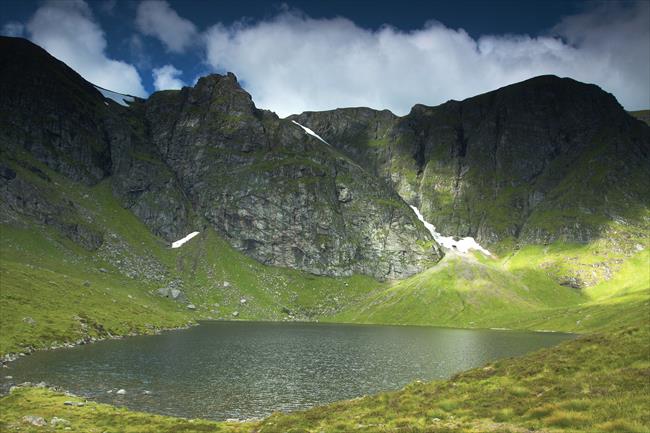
<point>222,370</point>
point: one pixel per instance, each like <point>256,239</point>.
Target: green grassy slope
<point>463,292</point>
<point>520,291</point>
<point>45,301</point>
<point>643,115</point>
<point>53,291</point>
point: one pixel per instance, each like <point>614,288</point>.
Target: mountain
<point>543,160</point>
<point>549,174</point>
<point>204,157</point>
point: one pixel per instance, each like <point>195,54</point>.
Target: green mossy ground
<point>519,291</point>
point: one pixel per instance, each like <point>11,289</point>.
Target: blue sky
<point>308,55</point>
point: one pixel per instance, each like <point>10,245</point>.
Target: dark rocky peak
<point>222,93</point>
<point>538,98</point>
<point>23,62</point>
<point>534,121</point>
<point>52,112</point>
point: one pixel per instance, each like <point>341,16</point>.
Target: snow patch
<point>462,245</point>
<point>123,100</point>
<point>180,242</point>
<point>310,132</point>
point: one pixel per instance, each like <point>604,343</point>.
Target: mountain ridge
<point>170,159</point>
<point>497,166</point>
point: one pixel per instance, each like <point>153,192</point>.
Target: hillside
<point>205,157</point>
<point>296,228</point>
<point>542,161</point>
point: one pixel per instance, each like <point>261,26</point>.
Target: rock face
<point>204,155</point>
<point>538,161</point>
<point>277,194</point>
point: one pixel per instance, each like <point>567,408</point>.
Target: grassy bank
<point>520,291</point>
<point>596,383</point>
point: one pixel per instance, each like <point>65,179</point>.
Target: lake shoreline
<point>329,362</point>
<point>596,358</point>
<point>8,358</point>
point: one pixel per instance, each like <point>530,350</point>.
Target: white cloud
<point>68,31</point>
<point>292,63</point>
<point>156,18</point>
<point>166,78</point>
<point>13,29</point>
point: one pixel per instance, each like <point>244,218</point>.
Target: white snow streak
<point>180,242</point>
<point>121,99</point>
<point>310,132</point>
<point>462,245</point>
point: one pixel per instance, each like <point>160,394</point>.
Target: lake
<point>221,370</point>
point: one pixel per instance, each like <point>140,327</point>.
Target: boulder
<point>56,421</point>
<point>35,420</point>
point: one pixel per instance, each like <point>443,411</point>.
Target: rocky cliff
<point>543,160</point>
<point>196,157</point>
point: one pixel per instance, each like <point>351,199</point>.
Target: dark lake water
<point>221,370</point>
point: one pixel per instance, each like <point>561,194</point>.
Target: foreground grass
<point>597,383</point>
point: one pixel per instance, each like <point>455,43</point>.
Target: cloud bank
<point>68,31</point>
<point>293,63</point>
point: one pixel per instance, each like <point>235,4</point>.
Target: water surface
<point>221,370</point>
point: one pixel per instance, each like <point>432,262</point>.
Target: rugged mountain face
<point>201,156</point>
<point>542,160</point>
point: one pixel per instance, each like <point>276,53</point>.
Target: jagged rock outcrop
<point>207,155</point>
<point>48,110</point>
<point>279,195</point>
<point>51,113</point>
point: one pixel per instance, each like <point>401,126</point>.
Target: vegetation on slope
<point>55,291</point>
<point>462,292</point>
<point>596,383</point>
<point>643,115</point>
<point>520,291</point>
